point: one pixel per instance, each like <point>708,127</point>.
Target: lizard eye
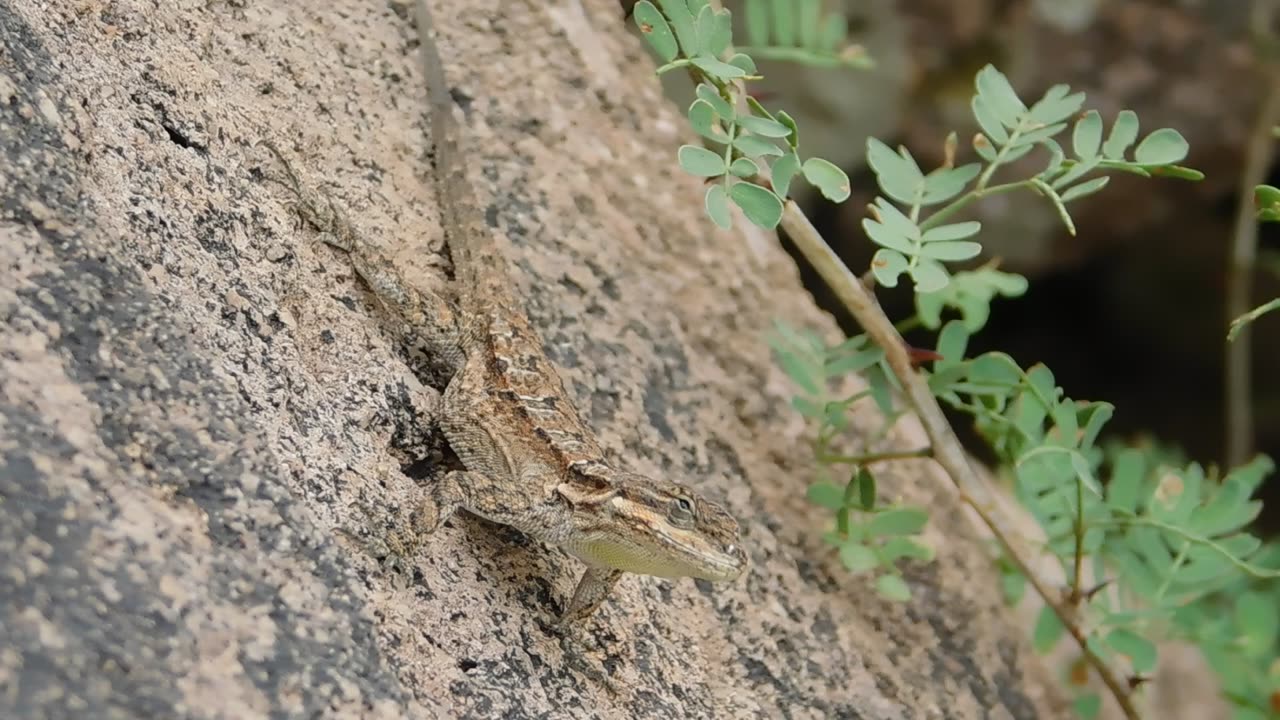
<point>681,512</point>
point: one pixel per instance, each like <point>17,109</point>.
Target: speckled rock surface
<point>196,397</point>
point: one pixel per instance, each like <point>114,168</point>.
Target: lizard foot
<point>317,209</point>
<point>443,499</point>
<point>592,589</point>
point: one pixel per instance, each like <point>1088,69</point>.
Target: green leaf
<point>898,174</point>
<point>1266,196</point>
<point>808,408</point>
<point>1014,585</point>
<point>982,145</point>
<point>1123,133</point>
<point>757,146</point>
<point>994,367</point>
<point>893,218</point>
<point>1015,153</point>
<point>929,275</point>
<point>824,494</point>
<point>702,117</point>
<point>714,31</point>
<point>1047,632</point>
<point>1088,187</point>
<point>1138,649</point>
<point>954,231</point>
<point>1227,511</point>
<point>881,384</point>
<point>1162,147</point>
<point>744,168</point>
<point>1087,706</point>
<point>951,250</point>
<point>794,138</point>
<point>709,94</point>
<point>866,487</point>
<point>801,370</point>
<point>989,121</point>
<point>744,63</point>
<point>887,265</point>
<point>1040,134</point>
<point>1086,139</point>
<point>853,362</point>
<point>1258,616</point>
<point>952,343</point>
<point>858,558</point>
<point>717,203</point>
<point>828,178</point>
<point>970,292</point>
<point>764,126</point>
<point>677,12</point>
<point>757,16</point>
<point>943,185</point>
<point>783,24</point>
<point>809,14</point>
<point>902,521</point>
<point>700,161</point>
<point>905,547</point>
<point>1056,105</point>
<point>1127,474</point>
<point>655,29</point>
<point>720,70</point>
<point>783,172</point>
<point>998,95</point>
<point>889,236</point>
<point>1099,414</point>
<point>1076,172</point>
<point>759,204</point>
<point>893,587</point>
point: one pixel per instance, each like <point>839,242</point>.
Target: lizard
<point>530,461</point>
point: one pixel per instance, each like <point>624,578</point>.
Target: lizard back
<point>510,368</point>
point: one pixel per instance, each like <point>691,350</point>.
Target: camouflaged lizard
<point>531,463</point>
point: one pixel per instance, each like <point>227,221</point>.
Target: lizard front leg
<point>593,588</point>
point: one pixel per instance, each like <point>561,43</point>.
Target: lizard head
<point>661,528</point>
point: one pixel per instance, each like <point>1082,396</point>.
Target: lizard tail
<point>479,266</point>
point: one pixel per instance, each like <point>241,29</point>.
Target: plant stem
<point>946,447</point>
<point>968,198</point>
<point>1240,267</point>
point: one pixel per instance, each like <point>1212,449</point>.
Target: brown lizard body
<point>531,462</point>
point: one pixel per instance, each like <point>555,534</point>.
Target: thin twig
<point>1237,365</point>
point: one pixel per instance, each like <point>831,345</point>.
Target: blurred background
<point>1132,309</point>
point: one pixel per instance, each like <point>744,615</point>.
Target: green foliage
<point>759,151</point>
<point>971,293</point>
<point>796,30</point>
<point>1266,198</point>
<point>1151,548</point>
<point>918,245</point>
<point>868,537</point>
